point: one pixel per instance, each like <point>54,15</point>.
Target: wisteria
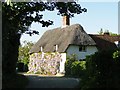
<point>44,63</point>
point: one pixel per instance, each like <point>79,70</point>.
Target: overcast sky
<point>99,15</point>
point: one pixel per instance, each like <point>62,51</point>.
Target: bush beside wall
<point>74,67</point>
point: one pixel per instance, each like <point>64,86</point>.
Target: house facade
<point>65,41</point>
<point>81,51</point>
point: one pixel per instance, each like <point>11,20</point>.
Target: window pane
<point>82,48</point>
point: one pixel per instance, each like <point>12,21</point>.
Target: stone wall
<point>44,63</point>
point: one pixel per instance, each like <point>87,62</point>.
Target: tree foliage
<point>24,13</point>
<point>20,16</point>
<point>101,32</point>
<point>24,52</point>
<point>102,70</point>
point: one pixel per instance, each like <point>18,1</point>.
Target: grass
<point>14,81</point>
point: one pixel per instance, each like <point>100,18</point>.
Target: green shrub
<point>68,63</point>
<point>73,67</point>
<point>77,68</point>
<point>102,70</point>
<point>116,55</point>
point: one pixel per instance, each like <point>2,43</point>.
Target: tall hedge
<point>102,70</point>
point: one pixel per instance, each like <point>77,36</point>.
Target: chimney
<point>66,21</point>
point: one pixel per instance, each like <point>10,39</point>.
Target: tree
<point>23,58</point>
<point>101,31</point>
<point>113,34</point>
<point>24,52</point>
<point>16,20</point>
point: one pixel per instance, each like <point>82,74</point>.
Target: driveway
<point>36,81</point>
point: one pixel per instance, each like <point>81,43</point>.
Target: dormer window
<point>82,48</point>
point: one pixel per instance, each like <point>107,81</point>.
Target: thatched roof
<point>62,37</point>
<point>105,42</point>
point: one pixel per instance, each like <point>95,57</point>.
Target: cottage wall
<point>46,63</point>
<point>62,63</point>
<point>74,49</point>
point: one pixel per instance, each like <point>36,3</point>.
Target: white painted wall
<point>117,43</point>
<point>74,49</point>
<point>62,62</point>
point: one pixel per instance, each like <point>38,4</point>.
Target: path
<point>36,81</point>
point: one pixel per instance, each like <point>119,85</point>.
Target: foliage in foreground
<point>102,70</point>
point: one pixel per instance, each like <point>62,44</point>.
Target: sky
<point>119,17</point>
<point>99,15</point>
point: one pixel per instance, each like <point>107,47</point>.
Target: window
<point>82,48</point>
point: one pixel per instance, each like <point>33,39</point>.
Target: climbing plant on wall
<point>44,63</point>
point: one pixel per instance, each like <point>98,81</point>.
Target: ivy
<point>48,65</point>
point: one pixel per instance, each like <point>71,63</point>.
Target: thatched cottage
<point>72,39</point>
